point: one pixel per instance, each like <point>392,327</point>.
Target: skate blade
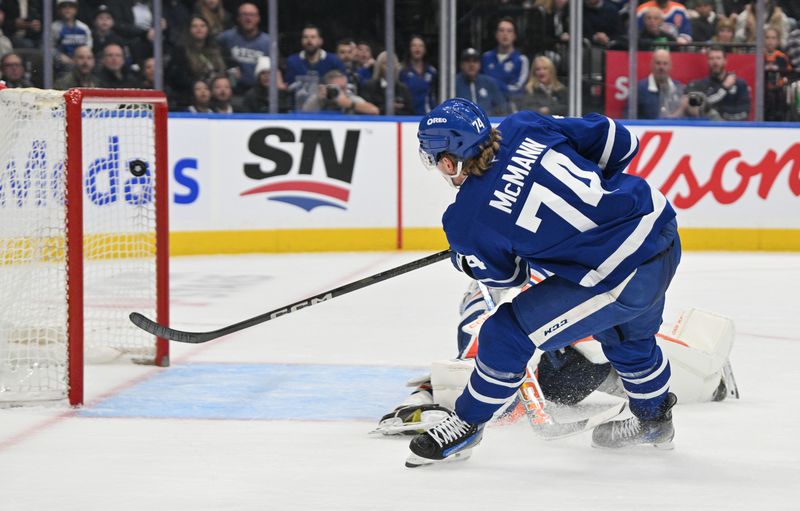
<point>555,430</point>
<point>661,446</point>
<point>414,461</point>
<point>395,426</point>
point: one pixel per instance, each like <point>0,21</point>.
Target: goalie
<point>698,348</point>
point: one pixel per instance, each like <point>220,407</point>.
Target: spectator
<point>776,69</point>
<point>133,21</point>
<point>793,48</point>
<point>23,23</point>
<point>365,60</point>
<point>776,18</point>
<point>245,43</point>
<point>545,93</point>
<point>704,25</point>
<point>257,98</point>
<point>506,64</point>
<point>201,98</point>
<point>148,73</point>
<point>601,22</point>
<point>479,88</point>
<point>726,28</point>
<point>334,96</point>
<point>652,34</point>
<point>312,60</point>
<point>548,26</point>
<point>5,42</point>
<point>659,96</point>
<point>304,69</point>
<point>68,33</point>
<point>419,76</point>
<point>113,74</point>
<point>12,71</point>
<point>374,91</point>
<point>199,57</point>
<point>82,74</point>
<point>222,95</point>
<point>215,14</point>
<point>345,51</point>
<point>676,18</point>
<point>103,32</point>
<point>722,93</point>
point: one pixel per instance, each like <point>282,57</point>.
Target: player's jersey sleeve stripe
<point>610,138</point>
<point>580,312</point>
<point>521,268</point>
<point>634,145</point>
<point>631,244</point>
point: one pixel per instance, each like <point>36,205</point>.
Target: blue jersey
<point>421,87</point>
<point>511,73</point>
<point>297,65</point>
<point>556,198</point>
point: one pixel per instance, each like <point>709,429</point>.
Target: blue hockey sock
<point>645,378</point>
<point>486,392</point>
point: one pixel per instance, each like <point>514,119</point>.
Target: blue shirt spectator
<point>68,33</point>
<point>658,96</point>
<point>246,43</point>
<point>479,88</point>
<point>505,64</point>
<point>312,60</point>
<point>420,77</point>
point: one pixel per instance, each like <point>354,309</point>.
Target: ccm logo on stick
<point>301,305</point>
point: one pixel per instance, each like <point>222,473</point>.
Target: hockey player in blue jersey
<point>551,193</point>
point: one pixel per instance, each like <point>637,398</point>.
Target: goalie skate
<point>411,419</point>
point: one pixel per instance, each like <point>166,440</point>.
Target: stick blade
<point>150,326</point>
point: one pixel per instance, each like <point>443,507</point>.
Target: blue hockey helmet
<point>457,126</point>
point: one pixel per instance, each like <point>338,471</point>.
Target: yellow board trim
<point>433,238</point>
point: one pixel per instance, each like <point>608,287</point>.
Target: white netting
<point>119,237</point>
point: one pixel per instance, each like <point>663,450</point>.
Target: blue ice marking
<point>261,391</point>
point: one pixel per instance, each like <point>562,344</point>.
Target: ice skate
<point>450,440</point>
<point>634,431</point>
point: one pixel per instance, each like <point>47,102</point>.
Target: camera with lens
<point>332,91</point>
<point>697,99</point>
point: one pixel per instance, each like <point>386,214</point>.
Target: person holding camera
<point>720,96</point>
<point>336,97</point>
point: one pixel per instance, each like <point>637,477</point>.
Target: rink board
<point>249,183</point>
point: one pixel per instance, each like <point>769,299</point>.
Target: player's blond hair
<point>478,165</point>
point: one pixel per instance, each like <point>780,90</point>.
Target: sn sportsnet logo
<point>320,176</point>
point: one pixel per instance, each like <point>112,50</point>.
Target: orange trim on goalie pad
<point>671,339</point>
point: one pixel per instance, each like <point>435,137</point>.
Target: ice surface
<point>147,439</point>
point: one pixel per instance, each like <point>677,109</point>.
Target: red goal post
<point>83,235</point>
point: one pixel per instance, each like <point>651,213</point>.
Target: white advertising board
<point>250,174</point>
<point>265,174</point>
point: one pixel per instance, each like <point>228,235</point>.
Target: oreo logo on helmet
<point>436,120</point>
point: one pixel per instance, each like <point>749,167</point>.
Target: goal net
<point>83,235</point>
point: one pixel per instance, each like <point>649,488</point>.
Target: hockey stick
<point>200,337</point>
<point>533,402</point>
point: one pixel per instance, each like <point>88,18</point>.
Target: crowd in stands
<point>216,57</point>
